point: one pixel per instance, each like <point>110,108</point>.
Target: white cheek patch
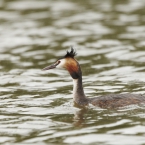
<point>61,64</point>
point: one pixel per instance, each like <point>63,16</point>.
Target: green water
<point>36,107</point>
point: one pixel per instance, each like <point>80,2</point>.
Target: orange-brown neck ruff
<point>73,67</point>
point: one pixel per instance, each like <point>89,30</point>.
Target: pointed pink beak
<point>51,66</point>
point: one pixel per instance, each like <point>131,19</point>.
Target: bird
<point>110,101</point>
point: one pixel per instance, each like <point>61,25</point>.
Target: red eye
<point>58,61</point>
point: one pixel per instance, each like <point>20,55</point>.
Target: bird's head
<point>67,62</point>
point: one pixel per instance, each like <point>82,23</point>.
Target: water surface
<point>36,107</point>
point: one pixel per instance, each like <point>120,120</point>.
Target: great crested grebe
<point>69,63</point>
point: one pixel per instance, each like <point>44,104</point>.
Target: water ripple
<point>37,106</point>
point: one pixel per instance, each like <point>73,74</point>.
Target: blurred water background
<point>36,107</point>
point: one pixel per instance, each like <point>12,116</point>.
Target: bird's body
<point>112,101</point>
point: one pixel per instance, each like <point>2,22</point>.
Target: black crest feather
<point>71,53</point>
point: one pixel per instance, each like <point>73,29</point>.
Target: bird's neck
<point>78,92</point>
